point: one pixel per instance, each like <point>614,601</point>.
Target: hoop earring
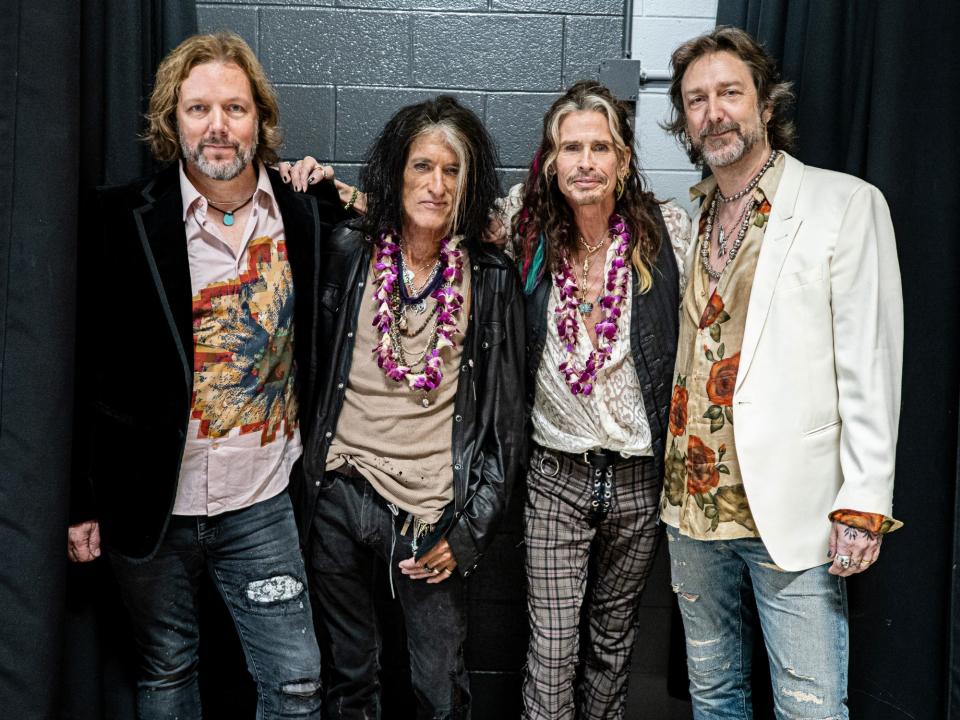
<point>621,186</point>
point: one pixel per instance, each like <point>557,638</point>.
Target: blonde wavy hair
<point>161,132</point>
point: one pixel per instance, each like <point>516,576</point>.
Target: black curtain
<point>877,87</point>
<point>73,78</point>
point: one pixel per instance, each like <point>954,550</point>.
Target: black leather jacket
<point>653,338</point>
<point>488,424</point>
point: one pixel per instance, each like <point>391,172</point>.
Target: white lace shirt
<point>612,417</point>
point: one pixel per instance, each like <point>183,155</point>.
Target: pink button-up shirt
<point>242,437</point>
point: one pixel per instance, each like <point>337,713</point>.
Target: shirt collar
<point>192,198</point>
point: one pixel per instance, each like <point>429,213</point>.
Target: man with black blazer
<point>196,347</point>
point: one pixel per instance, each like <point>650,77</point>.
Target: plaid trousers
<point>563,547</point>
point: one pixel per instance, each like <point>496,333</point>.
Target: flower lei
<point>581,381</point>
<point>449,302</point>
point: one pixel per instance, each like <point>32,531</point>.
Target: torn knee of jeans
<point>275,589</point>
<point>690,597</point>
<point>801,696</point>
<point>301,688</point>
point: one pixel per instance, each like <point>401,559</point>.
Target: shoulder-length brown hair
<point>161,132</point>
<point>773,93</point>
<point>545,209</point>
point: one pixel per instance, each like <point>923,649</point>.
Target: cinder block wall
<point>342,67</point>
<point>659,26</point>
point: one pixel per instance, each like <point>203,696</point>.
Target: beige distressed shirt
<point>400,446</point>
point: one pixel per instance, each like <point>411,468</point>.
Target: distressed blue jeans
<point>253,556</point>
<point>803,616</point>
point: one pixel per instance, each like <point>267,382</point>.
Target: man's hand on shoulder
<point>83,541</point>
<point>852,549</point>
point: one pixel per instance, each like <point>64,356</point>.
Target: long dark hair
<point>546,210</point>
<point>773,93</point>
<point>478,186</point>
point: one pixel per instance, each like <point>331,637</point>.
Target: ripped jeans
<point>803,616</point>
<point>253,556</point>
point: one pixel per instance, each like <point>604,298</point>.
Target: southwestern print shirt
<point>703,491</point>
<point>242,437</point>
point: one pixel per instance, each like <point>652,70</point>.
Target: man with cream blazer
<point>779,472</point>
<point>817,394</point>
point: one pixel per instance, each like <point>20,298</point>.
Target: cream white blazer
<point>817,400</point>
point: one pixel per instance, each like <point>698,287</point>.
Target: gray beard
<point>733,152</point>
<point>219,171</point>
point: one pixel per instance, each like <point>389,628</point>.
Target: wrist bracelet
<point>353,198</point>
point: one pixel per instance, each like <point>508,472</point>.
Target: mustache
<point>597,177</point>
<point>712,128</point>
<point>217,140</point>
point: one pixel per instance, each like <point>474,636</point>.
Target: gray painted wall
<point>342,67</point>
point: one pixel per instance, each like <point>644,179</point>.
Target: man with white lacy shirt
<point>599,262</point>
<point>779,471</point>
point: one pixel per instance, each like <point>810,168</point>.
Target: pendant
<point>585,308</point>
<point>721,243</point>
<point>402,320</point>
<point>228,219</point>
<point>425,402</point>
<point>421,307</point>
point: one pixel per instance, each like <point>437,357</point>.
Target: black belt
<point>601,464</point>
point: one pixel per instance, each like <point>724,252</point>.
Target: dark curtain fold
<point>121,44</point>
<point>877,97</point>
<point>74,78</point>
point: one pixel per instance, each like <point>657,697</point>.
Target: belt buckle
<point>554,463</point>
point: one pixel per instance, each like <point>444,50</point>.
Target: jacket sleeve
<point>328,202</point>
<point>504,446</point>
<point>82,506</point>
<point>867,306</point>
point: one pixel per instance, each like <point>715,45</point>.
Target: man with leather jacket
<point>418,431</point>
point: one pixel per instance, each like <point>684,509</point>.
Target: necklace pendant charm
<point>421,307</point>
<point>585,308</point>
<point>425,402</point>
<point>402,321</point>
<point>228,219</point>
<point>721,243</point>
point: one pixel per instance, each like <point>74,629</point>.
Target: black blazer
<point>135,348</point>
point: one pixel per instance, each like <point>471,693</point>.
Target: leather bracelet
<point>353,198</point>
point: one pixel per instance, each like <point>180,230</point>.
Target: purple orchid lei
<point>449,302</point>
<point>582,381</point>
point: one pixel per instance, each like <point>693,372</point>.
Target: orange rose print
<point>723,378</point>
<point>712,311</point>
<point>678,411</point>
<point>702,473</point>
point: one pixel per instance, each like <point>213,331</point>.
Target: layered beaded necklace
<point>581,380</point>
<point>743,223</point>
<point>389,318</point>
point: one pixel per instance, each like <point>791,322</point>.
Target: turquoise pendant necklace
<point>228,214</point>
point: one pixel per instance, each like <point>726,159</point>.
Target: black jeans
<point>354,529</point>
<point>253,556</point>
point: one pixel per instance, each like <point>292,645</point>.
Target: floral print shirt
<point>703,491</point>
<point>703,494</point>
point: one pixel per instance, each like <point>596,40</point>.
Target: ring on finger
<point>843,561</point>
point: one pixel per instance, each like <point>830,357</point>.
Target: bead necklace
<point>719,197</point>
<point>753,182</point>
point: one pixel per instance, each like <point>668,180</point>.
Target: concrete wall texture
<point>342,67</point>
